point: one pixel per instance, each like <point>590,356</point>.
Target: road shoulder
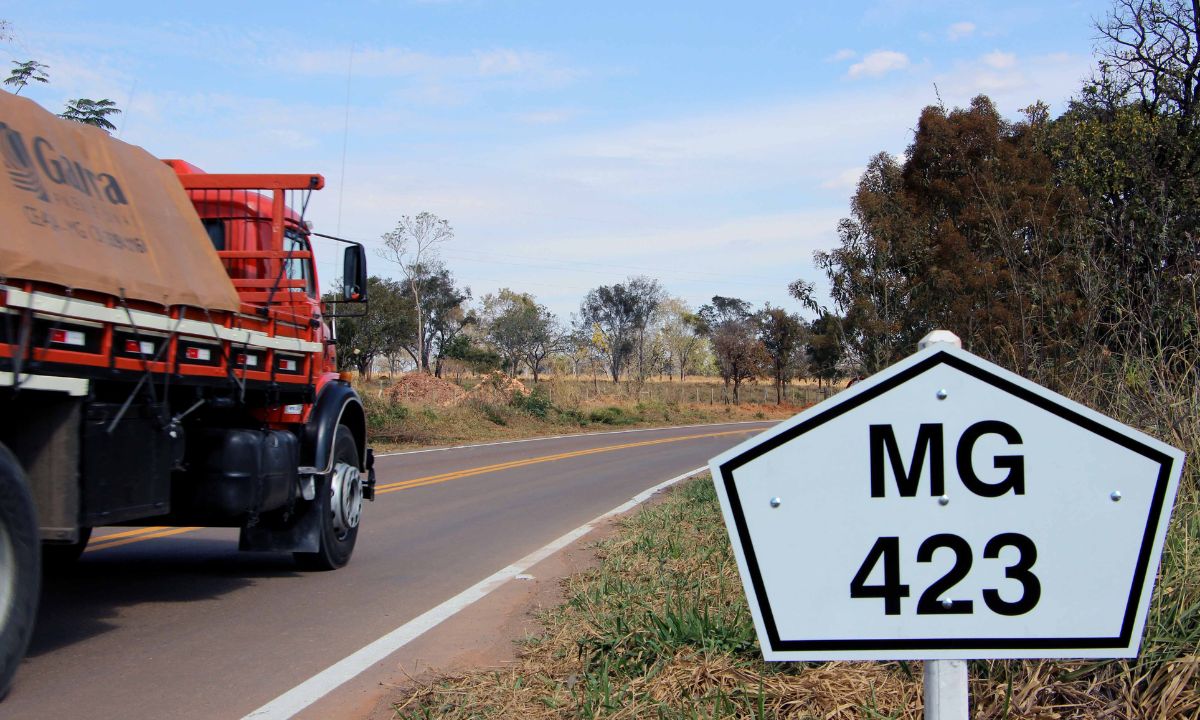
<point>482,635</point>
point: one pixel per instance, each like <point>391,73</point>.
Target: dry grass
<point>400,417</point>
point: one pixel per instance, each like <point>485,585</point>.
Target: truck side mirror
<point>354,274</point>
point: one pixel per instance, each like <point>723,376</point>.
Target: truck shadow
<point>86,599</point>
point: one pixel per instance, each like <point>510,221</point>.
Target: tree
<point>782,335</point>
<point>1152,56</point>
<point>91,112</point>
<point>617,316</point>
<point>442,315</point>
<point>682,333</point>
<point>24,72</point>
<point>382,332</point>
<point>546,336</point>
<point>522,330</point>
<point>83,110</point>
<point>739,353</point>
<point>463,349</point>
<point>971,233</point>
<point>412,245</point>
<point>825,347</point>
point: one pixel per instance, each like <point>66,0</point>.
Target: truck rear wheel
<point>339,500</point>
<point>20,567</point>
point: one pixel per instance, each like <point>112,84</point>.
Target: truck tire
<point>20,567</point>
<point>59,557</point>
<point>339,500</point>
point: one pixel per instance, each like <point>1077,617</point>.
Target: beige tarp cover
<point>81,209</point>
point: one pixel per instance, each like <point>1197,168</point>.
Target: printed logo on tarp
<point>19,163</point>
<point>56,167</point>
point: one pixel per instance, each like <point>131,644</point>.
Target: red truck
<point>166,359</point>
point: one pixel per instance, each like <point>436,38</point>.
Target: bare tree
<point>1152,54</point>
<point>412,246</point>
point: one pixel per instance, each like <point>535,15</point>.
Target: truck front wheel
<point>339,502</point>
<point>20,567</point>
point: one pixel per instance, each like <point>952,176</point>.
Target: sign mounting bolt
<point>947,604</point>
<point>944,500</point>
<point>1116,496</point>
<point>942,394</point>
<point>776,502</point>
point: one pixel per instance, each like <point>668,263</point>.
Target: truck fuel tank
<point>238,472</point>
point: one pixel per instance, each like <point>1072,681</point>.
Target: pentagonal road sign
<point>946,508</point>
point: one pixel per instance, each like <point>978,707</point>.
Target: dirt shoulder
<point>484,635</point>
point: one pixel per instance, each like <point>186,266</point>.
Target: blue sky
<point>711,145</point>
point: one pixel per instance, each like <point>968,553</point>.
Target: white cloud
<point>960,30</point>
<point>842,55</point>
<point>845,180</point>
<point>1000,60</point>
<point>879,63</point>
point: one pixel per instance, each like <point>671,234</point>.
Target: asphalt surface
<point>184,626</point>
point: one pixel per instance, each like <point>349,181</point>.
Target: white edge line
<point>573,435</point>
<point>318,686</point>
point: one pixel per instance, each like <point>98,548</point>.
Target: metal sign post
<point>946,681</point>
<point>946,690</point>
<point>946,509</point>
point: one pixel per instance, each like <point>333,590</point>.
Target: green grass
<point>660,629</point>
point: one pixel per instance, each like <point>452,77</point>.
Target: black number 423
<point>891,591</point>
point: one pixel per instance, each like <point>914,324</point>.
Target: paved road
<point>177,623</point>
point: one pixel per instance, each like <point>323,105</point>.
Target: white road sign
<point>946,508</point>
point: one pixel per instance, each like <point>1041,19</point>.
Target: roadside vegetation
<point>660,629</point>
<point>420,410</point>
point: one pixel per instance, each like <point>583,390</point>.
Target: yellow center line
<point>124,534</point>
<point>162,533</point>
<point>129,537</point>
<point>459,474</point>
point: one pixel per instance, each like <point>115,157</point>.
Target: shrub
<point>611,416</point>
<point>536,403</point>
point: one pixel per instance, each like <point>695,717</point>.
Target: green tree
<point>382,332</point>
<point>24,72</point>
<point>618,316</point>
<point>682,334</point>
<point>522,330</point>
<point>782,335</point>
<point>91,112</point>
<point>824,347</point>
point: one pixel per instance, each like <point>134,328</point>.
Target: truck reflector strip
<point>195,353</point>
<point>59,336</point>
<point>287,365</point>
<point>247,360</point>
